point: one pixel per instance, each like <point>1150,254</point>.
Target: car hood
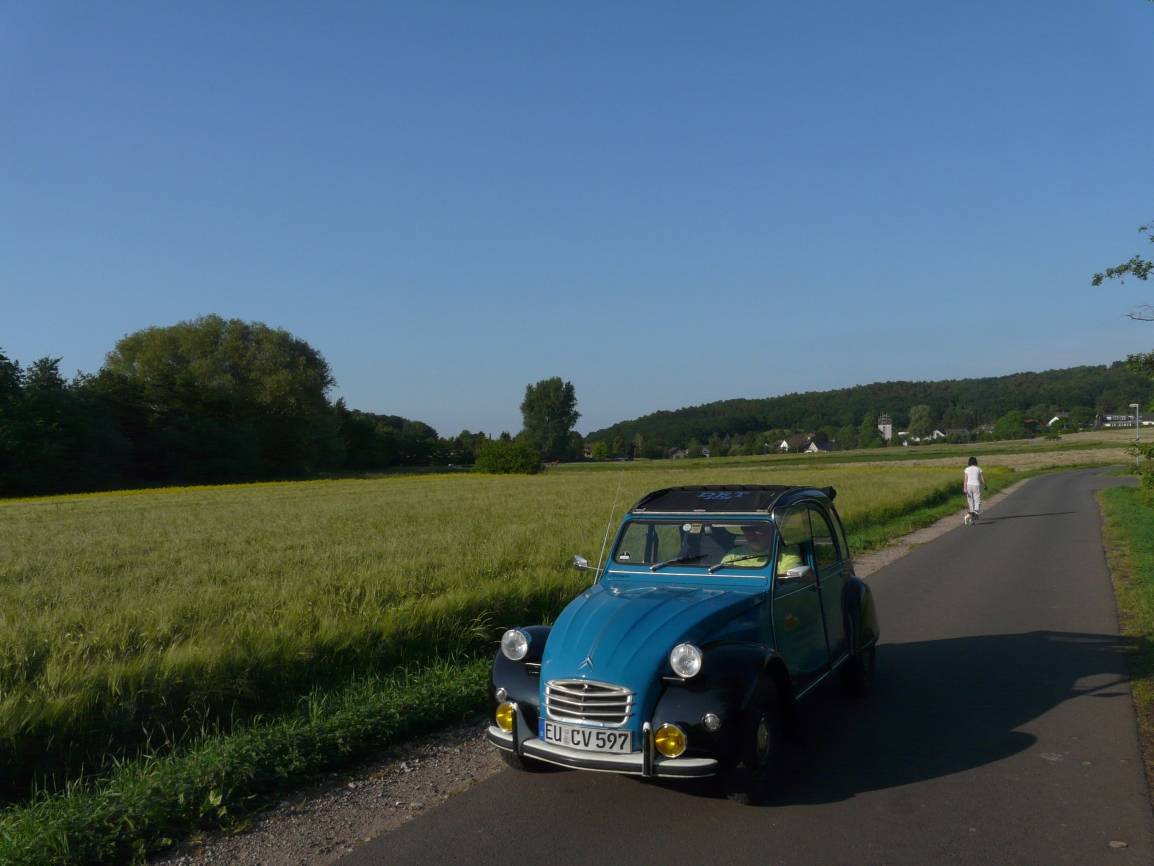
<point>621,633</point>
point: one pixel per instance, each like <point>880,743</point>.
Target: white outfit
<point>974,481</point>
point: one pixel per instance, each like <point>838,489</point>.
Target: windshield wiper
<point>714,568</point>
<point>658,565</point>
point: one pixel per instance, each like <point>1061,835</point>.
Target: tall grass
<point>215,782</point>
<point>1129,529</point>
<point>147,615</point>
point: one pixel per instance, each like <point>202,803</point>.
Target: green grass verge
<point>214,783</point>
<point>1128,519</point>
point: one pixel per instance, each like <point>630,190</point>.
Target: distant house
<point>906,438</point>
<point>1113,421</point>
<point>678,454</point>
<point>1061,416</point>
<point>814,446</point>
<point>795,443</point>
<point>705,452</point>
<point>957,433</point>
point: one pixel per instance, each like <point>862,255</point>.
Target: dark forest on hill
<point>848,415</point>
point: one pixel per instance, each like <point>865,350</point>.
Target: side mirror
<point>581,563</point>
<point>796,573</point>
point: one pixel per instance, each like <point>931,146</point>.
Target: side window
<point>839,534</point>
<point>794,531</point>
<point>825,552</point>
<point>793,526</point>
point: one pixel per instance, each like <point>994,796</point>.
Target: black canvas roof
<point>728,498</point>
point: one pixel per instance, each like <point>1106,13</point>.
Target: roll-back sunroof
<point>728,498</point>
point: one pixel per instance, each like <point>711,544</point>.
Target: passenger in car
<point>789,557</point>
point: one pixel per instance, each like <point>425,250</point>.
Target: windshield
<point>699,544</point>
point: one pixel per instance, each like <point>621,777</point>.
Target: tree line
<point>1003,407</point>
<point>208,400</point>
<point>221,400</point>
<point>216,400</point>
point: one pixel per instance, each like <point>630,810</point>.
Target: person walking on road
<point>973,483</point>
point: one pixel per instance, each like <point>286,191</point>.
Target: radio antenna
<point>609,525</point>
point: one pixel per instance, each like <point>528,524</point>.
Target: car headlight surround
<point>685,659</point>
<point>515,644</point>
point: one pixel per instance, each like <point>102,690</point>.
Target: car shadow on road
<point>941,707</point>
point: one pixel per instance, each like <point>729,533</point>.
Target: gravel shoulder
<point>317,826</point>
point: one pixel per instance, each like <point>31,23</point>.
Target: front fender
<point>521,679</point>
<point>730,679</point>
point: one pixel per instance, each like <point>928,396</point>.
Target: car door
<point>832,572</point>
<point>799,634</point>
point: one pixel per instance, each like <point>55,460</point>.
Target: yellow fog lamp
<point>670,740</point>
<point>504,716</point>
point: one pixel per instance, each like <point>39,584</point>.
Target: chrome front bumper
<point>634,763</point>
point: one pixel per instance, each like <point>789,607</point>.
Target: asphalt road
<point>1000,731</point>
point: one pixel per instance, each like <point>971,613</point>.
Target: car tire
<point>750,781</point>
<point>523,764</point>
<point>857,674</point>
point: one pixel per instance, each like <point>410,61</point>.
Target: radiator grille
<point>588,703</point>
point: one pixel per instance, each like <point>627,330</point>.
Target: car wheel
<point>750,781</point>
<point>523,764</point>
<point>857,674</point>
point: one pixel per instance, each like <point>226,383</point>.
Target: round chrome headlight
<point>515,644</point>
<point>685,659</point>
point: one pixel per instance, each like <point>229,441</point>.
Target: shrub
<point>1144,457</point>
<point>507,458</point>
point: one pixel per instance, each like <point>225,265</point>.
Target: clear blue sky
<point>664,203</point>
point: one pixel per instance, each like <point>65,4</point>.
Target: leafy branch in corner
<point>1136,267</point>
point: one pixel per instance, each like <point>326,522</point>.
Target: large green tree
<point>921,421</point>
<point>224,368</point>
<point>868,435</point>
<point>549,413</point>
<point>223,398</point>
<point>54,437</point>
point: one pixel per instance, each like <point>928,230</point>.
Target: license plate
<point>589,739</point>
